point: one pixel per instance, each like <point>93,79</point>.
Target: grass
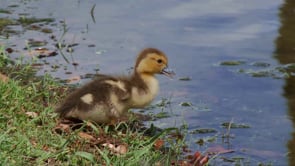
<point>28,140</point>
<point>24,137</point>
<point>28,123</point>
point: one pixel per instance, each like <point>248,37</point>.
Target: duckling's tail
<point>64,109</point>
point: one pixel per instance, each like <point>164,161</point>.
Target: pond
<point>234,62</point>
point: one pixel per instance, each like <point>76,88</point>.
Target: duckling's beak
<point>168,72</point>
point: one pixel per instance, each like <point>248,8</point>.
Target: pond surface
<point>234,62</point>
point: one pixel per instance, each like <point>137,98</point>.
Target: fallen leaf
<point>62,128</point>
<point>34,142</point>
<point>181,163</point>
<point>120,149</point>
<point>31,114</point>
<point>45,147</point>
<point>86,136</point>
<point>73,79</point>
<point>37,65</point>
<point>158,144</point>
<point>199,159</point>
<point>203,161</point>
<point>42,52</point>
<point>3,78</point>
<point>9,50</point>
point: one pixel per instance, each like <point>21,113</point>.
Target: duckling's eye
<point>159,61</point>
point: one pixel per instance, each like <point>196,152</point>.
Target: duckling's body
<point>108,98</point>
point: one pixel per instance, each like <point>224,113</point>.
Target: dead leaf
<point>9,50</point>
<point>120,149</point>
<point>31,114</point>
<point>73,79</point>
<point>193,160</point>
<point>86,136</point>
<point>158,144</point>
<point>34,142</point>
<point>203,161</point>
<point>3,78</point>
<point>42,52</point>
<point>62,128</point>
<point>45,148</point>
<point>199,159</point>
<point>181,163</point>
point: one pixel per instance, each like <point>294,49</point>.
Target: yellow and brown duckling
<point>108,98</point>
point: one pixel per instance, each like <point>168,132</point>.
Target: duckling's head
<point>152,61</point>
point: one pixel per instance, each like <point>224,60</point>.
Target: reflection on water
<point>285,54</point>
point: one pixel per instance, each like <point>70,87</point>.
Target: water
<point>196,36</point>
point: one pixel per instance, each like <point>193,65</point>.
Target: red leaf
<point>199,159</point>
<point>158,144</point>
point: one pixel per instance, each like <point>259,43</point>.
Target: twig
<point>92,13</point>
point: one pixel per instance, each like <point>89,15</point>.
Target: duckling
<point>108,98</point>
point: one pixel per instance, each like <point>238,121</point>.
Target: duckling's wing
<point>95,94</point>
<point>77,100</point>
<point>119,87</point>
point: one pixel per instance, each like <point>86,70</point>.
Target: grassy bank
<point>32,135</point>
